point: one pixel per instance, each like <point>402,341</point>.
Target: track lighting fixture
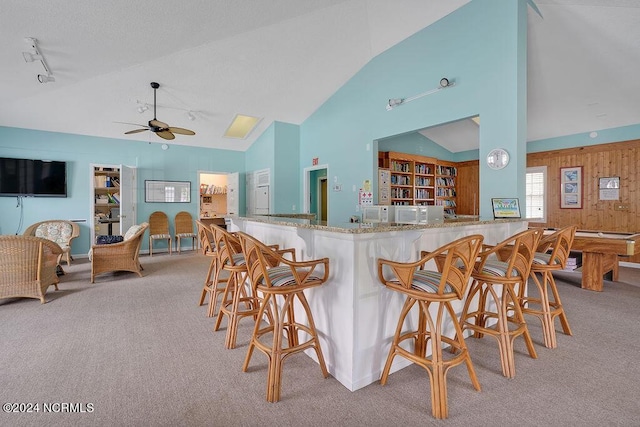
<point>36,55</point>
<point>190,116</point>
<point>394,102</point>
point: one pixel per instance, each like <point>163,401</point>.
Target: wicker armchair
<point>57,230</point>
<point>121,256</point>
<point>27,266</point>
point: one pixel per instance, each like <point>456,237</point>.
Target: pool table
<point>600,251</point>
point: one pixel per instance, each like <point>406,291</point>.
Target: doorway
<point>316,194</point>
<point>213,195</point>
<point>322,199</point>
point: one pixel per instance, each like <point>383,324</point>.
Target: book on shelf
<point>114,198</point>
<point>572,264</point>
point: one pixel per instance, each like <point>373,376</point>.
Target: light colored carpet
<point>142,352</point>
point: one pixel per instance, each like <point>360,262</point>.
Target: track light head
<point>394,102</point>
<point>45,78</point>
<point>143,108</point>
<point>190,116</point>
<point>445,82</point>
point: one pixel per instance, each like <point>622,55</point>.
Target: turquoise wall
<point>286,171</point>
<point>178,163</point>
<point>477,46</point>
<point>278,149</point>
<point>415,143</point>
<point>260,154</point>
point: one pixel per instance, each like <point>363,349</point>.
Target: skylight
<point>241,126</point>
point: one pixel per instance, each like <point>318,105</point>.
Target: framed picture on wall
<point>167,191</point>
<point>571,188</point>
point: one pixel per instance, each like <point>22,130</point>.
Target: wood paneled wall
<point>620,159</point>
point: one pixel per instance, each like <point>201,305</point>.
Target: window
<point>536,203</point>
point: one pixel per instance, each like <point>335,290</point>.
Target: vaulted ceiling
<point>281,59</point>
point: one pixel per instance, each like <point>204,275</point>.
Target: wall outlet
<point>293,208</point>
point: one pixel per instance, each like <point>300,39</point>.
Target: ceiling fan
<point>161,129</point>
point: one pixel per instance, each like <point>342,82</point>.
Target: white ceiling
<point>281,59</point>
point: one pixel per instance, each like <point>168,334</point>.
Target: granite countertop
<point>301,216</point>
<point>356,228</point>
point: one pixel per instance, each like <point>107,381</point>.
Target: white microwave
<point>375,213</point>
<point>418,214</point>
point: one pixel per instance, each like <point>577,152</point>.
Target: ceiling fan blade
<point>165,134</point>
<point>158,124</point>
<point>181,131</point>
<point>134,124</point>
<point>135,131</point>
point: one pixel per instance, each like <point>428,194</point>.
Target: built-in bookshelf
<point>446,195</point>
<point>106,200</point>
<point>106,188</point>
<point>419,180</point>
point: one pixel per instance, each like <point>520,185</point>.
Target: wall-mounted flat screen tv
<point>33,178</point>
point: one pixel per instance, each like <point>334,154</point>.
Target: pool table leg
<point>594,266</point>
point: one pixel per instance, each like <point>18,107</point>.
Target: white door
<point>262,200</point>
<point>233,193</point>
<point>128,201</point>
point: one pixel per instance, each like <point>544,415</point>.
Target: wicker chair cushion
<point>428,281</point>
<point>107,240</point>
<point>282,276</point>
<point>132,231</point>
<point>55,231</point>
<point>183,235</point>
<point>238,259</point>
<point>129,234</point>
<point>498,268</point>
<point>545,259</point>
<point>160,236</point>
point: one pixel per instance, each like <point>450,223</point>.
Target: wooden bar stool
<point>210,287</point>
<point>500,269</point>
<point>551,255</point>
<point>277,278</point>
<point>238,301</point>
<point>424,288</point>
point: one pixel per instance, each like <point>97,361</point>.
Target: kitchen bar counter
<point>354,313</point>
<point>358,227</point>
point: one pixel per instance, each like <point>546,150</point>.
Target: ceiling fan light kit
<point>161,129</point>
